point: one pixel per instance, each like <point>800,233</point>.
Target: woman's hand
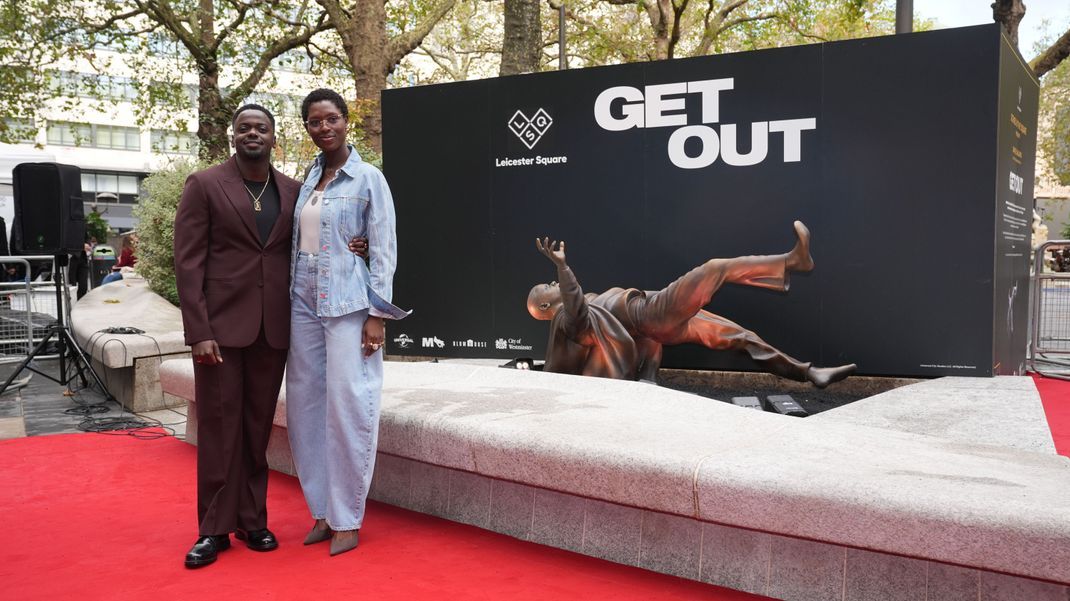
<point>373,335</point>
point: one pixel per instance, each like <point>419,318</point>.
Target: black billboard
<point>909,157</point>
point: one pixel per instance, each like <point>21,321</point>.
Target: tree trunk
<point>1009,13</point>
<point>660,14</point>
<point>211,126</point>
<point>213,118</point>
<point>367,55</point>
<point>522,39</point>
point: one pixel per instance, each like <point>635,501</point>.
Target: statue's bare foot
<point>799,258</point>
<point>823,376</point>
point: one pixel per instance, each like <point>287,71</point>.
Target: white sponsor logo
<point>665,105</point>
<point>512,344</point>
<point>403,341</point>
<point>468,343</point>
<point>432,342</point>
<point>530,129</point>
<point>1016,182</point>
<point>529,161</point>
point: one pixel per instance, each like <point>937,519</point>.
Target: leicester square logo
<point>530,129</point>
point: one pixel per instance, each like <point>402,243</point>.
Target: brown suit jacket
<point>228,282</point>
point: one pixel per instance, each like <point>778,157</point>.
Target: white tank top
<point>309,231</point>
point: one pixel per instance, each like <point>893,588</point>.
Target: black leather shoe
<point>258,540</point>
<point>206,549</point>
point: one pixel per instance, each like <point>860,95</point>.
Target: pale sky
<point>960,13</point>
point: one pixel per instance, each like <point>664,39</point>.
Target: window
<point>171,91</point>
<point>107,182</point>
<point>119,88</point>
<point>126,187</point>
<point>194,94</point>
<point>173,142</point>
<point>118,138</point>
<point>63,133</point>
<point>128,184</point>
<point>89,85</point>
<point>166,45</point>
<point>20,131</point>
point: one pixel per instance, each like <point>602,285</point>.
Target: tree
<point>466,44</point>
<point>522,38</point>
<point>1054,132</point>
<point>229,44</point>
<point>607,31</point>
<point>372,54</point>
<point>1009,14</point>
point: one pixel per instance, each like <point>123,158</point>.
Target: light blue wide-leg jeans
<point>332,405</point>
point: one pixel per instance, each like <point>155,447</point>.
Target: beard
<point>252,153</point>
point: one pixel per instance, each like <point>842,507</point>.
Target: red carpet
<point>86,516</point>
<point>1055,395</point>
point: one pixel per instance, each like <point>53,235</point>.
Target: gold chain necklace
<point>256,197</point>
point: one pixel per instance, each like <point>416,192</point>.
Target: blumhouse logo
<point>530,129</point>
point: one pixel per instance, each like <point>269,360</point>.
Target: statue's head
<point>544,300</point>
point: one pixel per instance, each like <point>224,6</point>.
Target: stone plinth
<point>129,363</point>
<point>786,507</point>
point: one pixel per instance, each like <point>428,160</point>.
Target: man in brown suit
<point>232,264</point>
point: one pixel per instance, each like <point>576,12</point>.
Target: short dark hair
<point>253,107</point>
<point>324,94</point>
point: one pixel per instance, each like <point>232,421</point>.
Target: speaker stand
<point>66,342</point>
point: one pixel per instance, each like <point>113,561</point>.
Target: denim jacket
<point>356,203</point>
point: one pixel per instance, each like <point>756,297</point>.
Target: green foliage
<point>156,230</point>
<point>97,227</point>
<point>146,50</point>
<point>1054,132</point>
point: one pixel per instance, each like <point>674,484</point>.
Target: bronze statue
<point>620,333</point>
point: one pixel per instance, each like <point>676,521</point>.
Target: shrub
<point>156,229</point>
<point>97,227</point>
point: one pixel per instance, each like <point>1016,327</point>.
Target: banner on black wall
<point>882,146</point>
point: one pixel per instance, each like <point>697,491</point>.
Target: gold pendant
<point>257,206</point>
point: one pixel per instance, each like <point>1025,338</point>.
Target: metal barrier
<point>1050,311</point>
<point>27,308</point>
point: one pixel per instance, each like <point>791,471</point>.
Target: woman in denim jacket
<point>334,370</point>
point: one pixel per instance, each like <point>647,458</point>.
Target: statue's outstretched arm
<point>575,304</point>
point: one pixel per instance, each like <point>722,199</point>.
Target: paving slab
<point>172,419</point>
<point>1002,411</point>
<point>12,427</point>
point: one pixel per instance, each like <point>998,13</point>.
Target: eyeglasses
<point>332,121</point>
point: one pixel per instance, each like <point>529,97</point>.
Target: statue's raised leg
<point>664,314</point>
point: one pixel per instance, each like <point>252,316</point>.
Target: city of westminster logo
<point>530,129</point>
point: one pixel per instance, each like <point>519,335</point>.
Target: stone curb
<point>982,506</point>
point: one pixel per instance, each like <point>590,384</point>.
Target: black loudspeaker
<point>49,215</point>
